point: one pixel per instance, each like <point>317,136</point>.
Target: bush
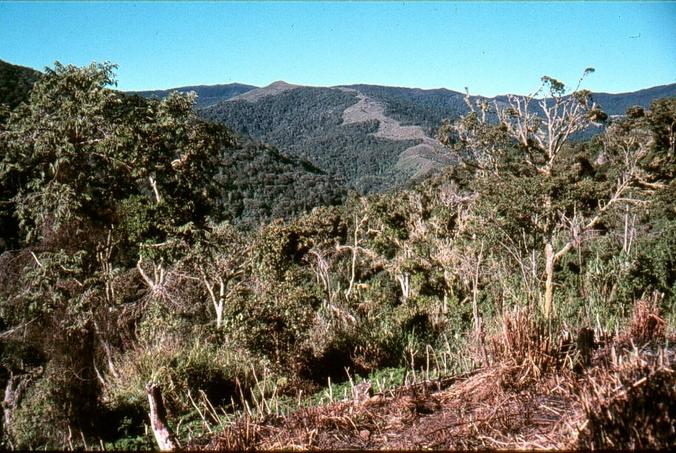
<point>180,369</point>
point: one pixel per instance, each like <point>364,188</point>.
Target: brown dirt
<point>368,109</point>
<point>421,158</point>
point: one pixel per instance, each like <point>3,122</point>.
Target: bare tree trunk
<point>153,184</point>
<point>16,386</point>
<point>158,419</point>
<point>549,282</point>
<point>404,282</point>
<point>475,289</point>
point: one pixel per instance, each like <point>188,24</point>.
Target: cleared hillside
<point>309,123</point>
<point>373,137</point>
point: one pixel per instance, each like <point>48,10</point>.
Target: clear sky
<point>492,48</point>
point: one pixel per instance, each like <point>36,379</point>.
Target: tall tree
<point>96,179</point>
<point>521,151</point>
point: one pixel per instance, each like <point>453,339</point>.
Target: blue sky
<point>492,48</point>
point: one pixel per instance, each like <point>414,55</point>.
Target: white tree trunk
<point>158,419</point>
<point>549,282</point>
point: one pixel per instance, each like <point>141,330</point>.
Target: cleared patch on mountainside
<point>417,160</point>
<point>366,109</point>
<point>422,159</point>
<point>259,93</point>
<point>307,123</point>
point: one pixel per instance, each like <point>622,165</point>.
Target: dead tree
<point>540,127</point>
<point>165,438</point>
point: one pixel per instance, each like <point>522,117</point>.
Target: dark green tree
<point>97,181</point>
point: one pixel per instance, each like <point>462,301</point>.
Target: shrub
<point>179,368</point>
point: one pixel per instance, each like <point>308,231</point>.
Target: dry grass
<point>647,325</point>
<point>535,394</point>
<point>630,405</point>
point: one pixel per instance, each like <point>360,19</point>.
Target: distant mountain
<point>206,94</point>
<point>259,93</point>
<point>618,103</point>
<point>16,83</point>
<point>373,137</point>
<point>415,106</point>
<point>368,137</point>
<point>337,129</point>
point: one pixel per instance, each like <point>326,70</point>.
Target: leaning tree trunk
<point>158,419</point>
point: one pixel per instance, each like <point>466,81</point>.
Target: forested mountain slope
<point>206,94</point>
<point>258,184</point>
<point>374,137</point>
<point>255,183</point>
<point>15,83</point>
<point>618,103</point>
<point>323,125</point>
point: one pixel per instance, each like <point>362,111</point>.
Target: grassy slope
<point>531,395</point>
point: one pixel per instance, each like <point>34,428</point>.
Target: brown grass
<point>630,405</point>
<point>536,393</point>
<point>647,326</point>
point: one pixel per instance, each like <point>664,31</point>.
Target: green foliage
<point>125,271</point>
<point>56,408</point>
<point>37,422</point>
<point>257,184</point>
<point>183,369</point>
<point>78,150</point>
<point>308,123</point>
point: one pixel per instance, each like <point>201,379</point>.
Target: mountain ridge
<point>16,83</point>
<point>373,137</point>
<point>206,94</point>
<point>668,89</point>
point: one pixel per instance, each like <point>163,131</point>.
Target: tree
<point>96,180</point>
<point>521,151</point>
<point>79,149</point>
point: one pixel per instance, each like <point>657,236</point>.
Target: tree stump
<point>165,438</point>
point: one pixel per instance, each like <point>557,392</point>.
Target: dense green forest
<point>426,108</point>
<point>308,123</point>
<point>207,95</point>
<point>145,247</point>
